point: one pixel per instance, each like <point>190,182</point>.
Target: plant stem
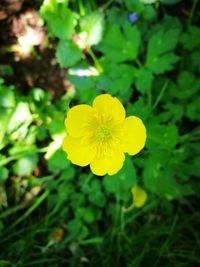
<point>192,11</point>
<point>149,98</point>
<point>106,5</point>
<point>81,8</point>
<point>160,95</point>
<point>130,208</point>
<point>93,5</point>
<point>12,210</point>
<point>96,62</point>
<point>137,61</point>
<point>37,202</point>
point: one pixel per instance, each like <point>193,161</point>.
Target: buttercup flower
<point>100,135</point>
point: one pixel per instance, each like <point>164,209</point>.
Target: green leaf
<point>144,79</point>
<point>160,181</point>
<point>87,94</point>
<point>67,174</point>
<point>3,198</point>
<point>170,2</point>
<point>195,60</point>
<point>186,90</point>
<point>64,191</point>
<point>164,63</point>
<point>77,200</point>
<point>137,6</point>
<point>31,135</point>
<point>7,105</point>
<point>159,176</point>
<point>159,55</point>
<point>162,136</point>
<point>148,1</point>
<point>188,85</point>
<point>56,127</point>
<point>1,228</point>
<point>116,79</point>
<point>7,97</point>
<point>173,112</point>
<point>85,213</point>
<point>68,53</point>
<point>116,16</point>
<point>6,70</point>
<point>60,20</point>
<point>85,87</point>
<point>82,83</point>
<point>20,149</point>
<point>95,194</point>
<point>151,174</point>
<point>122,182</point>
<point>146,11</point>
<point>87,186</point>
<point>76,229</point>
<point>191,39</point>
<point>139,109</point>
<point>149,12</point>
<point>97,198</point>
<point>20,120</point>
<point>121,46</point>
<point>41,132</point>
<point>193,109</point>
<point>94,240</point>
<point>39,96</point>
<point>93,25</point>
<point>3,173</point>
<point>58,161</point>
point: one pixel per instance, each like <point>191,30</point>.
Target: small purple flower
<point>132,17</point>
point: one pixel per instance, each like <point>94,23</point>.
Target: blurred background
<point>55,54</point>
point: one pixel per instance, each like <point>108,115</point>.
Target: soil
<point>19,26</point>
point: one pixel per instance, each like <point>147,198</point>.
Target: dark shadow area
<point>24,47</point>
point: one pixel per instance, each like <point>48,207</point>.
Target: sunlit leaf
<point>93,25</point>
<point>60,19</point>
<point>25,165</point>
<point>21,118</point>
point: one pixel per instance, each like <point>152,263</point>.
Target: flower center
<point>103,133</point>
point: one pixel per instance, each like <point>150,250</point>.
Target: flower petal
<point>109,159</point>
<point>139,196</point>
<point>109,107</point>
<point>78,150</point>
<point>78,120</point>
<point>134,135</point>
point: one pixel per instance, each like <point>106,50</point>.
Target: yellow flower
<point>139,196</point>
<point>100,135</point>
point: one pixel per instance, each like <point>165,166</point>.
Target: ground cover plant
<point>58,54</point>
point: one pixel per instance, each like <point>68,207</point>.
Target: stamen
<point>103,133</point>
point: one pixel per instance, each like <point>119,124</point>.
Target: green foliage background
<point>152,65</point>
